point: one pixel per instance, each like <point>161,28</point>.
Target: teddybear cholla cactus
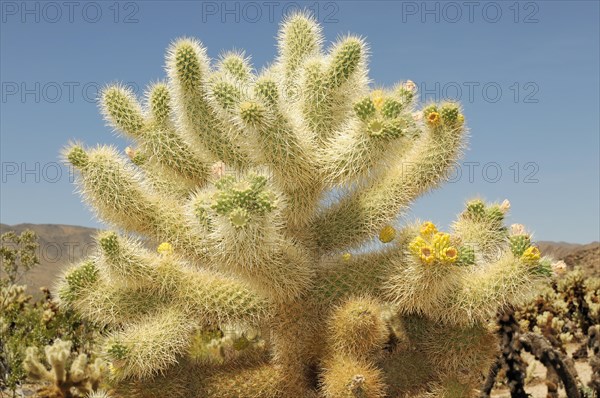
<point>68,376</point>
<point>263,190</point>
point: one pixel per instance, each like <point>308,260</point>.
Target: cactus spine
<point>259,190</point>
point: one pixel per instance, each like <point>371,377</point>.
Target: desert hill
<point>60,245</point>
<point>586,256</point>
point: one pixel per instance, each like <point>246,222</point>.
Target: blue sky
<point>527,74</point>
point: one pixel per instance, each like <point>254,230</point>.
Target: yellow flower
<point>531,255</point>
<point>378,97</point>
<point>346,256</point>
<point>428,228</point>
<point>165,248</point>
<point>441,240</point>
<point>416,244</point>
<point>449,254</point>
<point>434,119</point>
<point>387,234</point>
<point>426,255</point>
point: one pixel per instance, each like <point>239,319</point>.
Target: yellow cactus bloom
<point>346,256</point>
<point>416,244</point>
<point>460,119</point>
<point>378,98</point>
<point>440,241</point>
<point>428,229</point>
<point>426,255</point>
<point>387,234</point>
<point>531,255</point>
<point>165,248</point>
<point>449,254</point>
<point>434,119</point>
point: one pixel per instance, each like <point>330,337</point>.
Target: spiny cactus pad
<point>269,199</point>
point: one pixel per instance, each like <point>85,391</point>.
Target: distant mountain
<point>586,256</point>
<point>61,245</point>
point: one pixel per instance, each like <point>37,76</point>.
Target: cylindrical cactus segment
<point>122,110</point>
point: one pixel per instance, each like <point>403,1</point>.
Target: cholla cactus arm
<point>123,260</point>
<point>158,104</point>
<point>258,379</point>
<point>225,93</point>
<point>294,346</point>
<point>78,368</point>
<point>121,197</point>
<point>188,69</point>
<point>113,188</point>
<point>161,179</point>
<point>262,380</point>
<point>160,145</point>
<point>248,239</point>
<point>443,278</point>
<point>340,276</point>
<point>381,130</point>
<point>329,87</point>
<point>87,376</point>
<point>290,155</point>
<point>218,300</point>
<point>147,347</point>
<point>481,227</point>
<point>349,377</point>
<point>211,297</point>
<point>300,38</point>
<point>123,111</point>
<point>495,285</point>
<point>357,331</point>
<point>356,328</point>
<point>96,373</point>
<point>277,142</point>
<point>98,299</point>
<point>236,65</point>
<point>364,212</point>
<point>459,350</point>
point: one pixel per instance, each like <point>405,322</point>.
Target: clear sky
<point>526,72</point>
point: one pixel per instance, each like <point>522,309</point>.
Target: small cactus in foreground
<point>263,194</point>
<point>69,376</point>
